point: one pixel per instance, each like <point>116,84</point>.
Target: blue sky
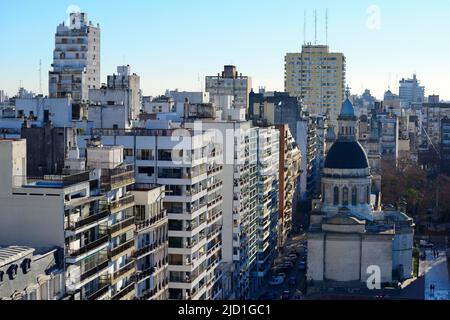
<point>175,43</point>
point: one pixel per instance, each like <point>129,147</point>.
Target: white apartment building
<point>89,214</point>
<point>239,235</point>
<point>117,104</point>
<point>185,162</point>
<point>267,199</point>
<point>230,83</point>
<point>152,243</point>
<point>76,59</point>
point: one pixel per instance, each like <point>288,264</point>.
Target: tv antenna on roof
<point>315,26</point>
<point>326,26</point>
<point>40,76</point>
<point>304,26</point>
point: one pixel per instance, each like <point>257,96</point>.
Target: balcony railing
<point>91,246</point>
<point>140,225</point>
<point>121,248</point>
<point>95,270</point>
<point>126,201</point>
<point>215,201</point>
<point>99,293</point>
<point>88,220</point>
<point>124,270</point>
<point>140,275</point>
<point>114,178</point>
<point>148,248</point>
<point>124,292</point>
<point>121,225</point>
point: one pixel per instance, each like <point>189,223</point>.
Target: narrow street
<point>296,244</point>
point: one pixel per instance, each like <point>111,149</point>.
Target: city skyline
<point>258,50</point>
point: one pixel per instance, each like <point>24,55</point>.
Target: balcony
<point>141,225</point>
<point>102,266</point>
<point>148,249</point>
<point>116,178</point>
<point>126,293</point>
<point>126,271</point>
<point>103,290</point>
<point>143,274</point>
<point>121,249</point>
<point>215,201</point>
<point>89,247</point>
<point>73,226</point>
<point>122,204</point>
<point>122,227</point>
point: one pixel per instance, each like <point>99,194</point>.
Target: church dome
<point>346,155</point>
<point>347,109</point>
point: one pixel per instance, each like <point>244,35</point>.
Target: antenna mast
<point>40,76</point>
<point>315,26</point>
<point>326,26</point>
<point>304,27</point>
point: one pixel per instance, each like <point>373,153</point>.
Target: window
<point>139,213</point>
<point>336,196</point>
<point>149,171</point>
<point>345,196</point>
<point>368,195</point>
<point>354,196</point>
<point>128,152</point>
<point>145,155</point>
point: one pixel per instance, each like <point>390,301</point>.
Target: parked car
<point>276,281</point>
<point>292,281</point>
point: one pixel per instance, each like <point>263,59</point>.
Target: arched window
<point>336,196</point>
<point>345,196</point>
<point>354,196</point>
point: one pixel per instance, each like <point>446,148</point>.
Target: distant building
<point>411,92</point>
<point>230,83</point>
<point>389,134</point>
<point>30,274</point>
<point>47,148</point>
<point>76,59</point>
<point>317,77</point>
<point>118,103</point>
<point>161,104</point>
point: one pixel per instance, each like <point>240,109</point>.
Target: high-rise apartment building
<point>267,200</point>
<point>76,59</point>
<point>317,76</point>
<point>411,92</point>
<point>288,175</point>
<point>184,161</point>
<point>239,176</point>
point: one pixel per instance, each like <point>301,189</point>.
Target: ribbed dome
<point>346,155</point>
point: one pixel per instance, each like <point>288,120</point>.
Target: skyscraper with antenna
<point>316,75</point>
